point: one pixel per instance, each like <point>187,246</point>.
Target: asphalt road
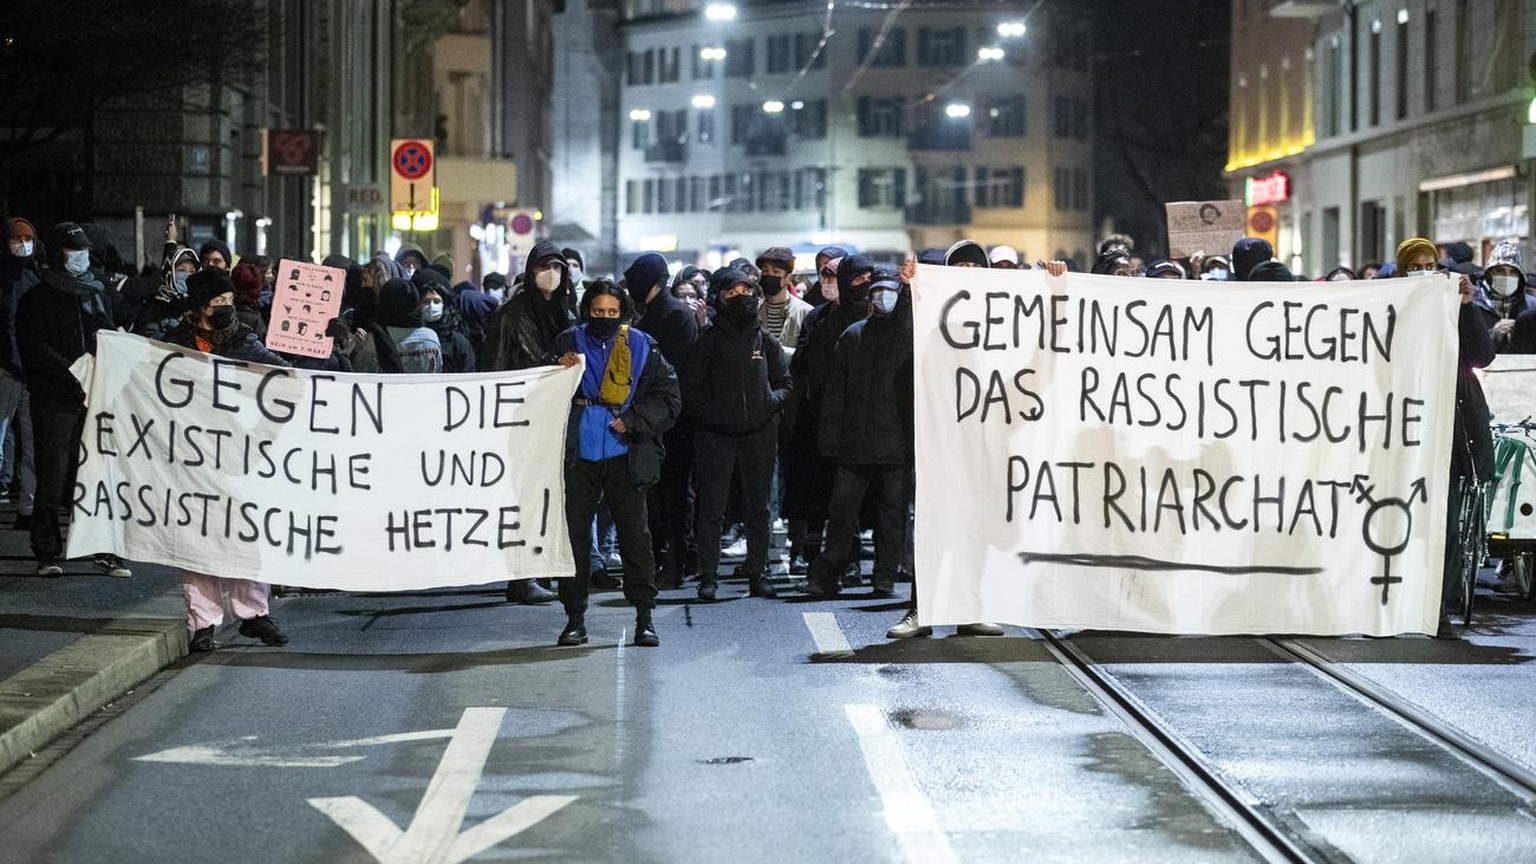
<point>446,726</point>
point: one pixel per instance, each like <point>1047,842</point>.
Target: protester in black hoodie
<point>20,264</point>
<point>441,315</point>
<point>522,332</point>
<point>807,474</point>
<point>735,383</point>
<point>56,323</point>
<point>671,322</point>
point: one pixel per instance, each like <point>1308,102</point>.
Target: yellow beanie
<point>1410,248</point>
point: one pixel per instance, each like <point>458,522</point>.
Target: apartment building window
<point>648,195</point>
<point>1402,70</point>
<point>881,117</point>
<point>696,199</point>
<point>882,188</point>
<point>1463,52</point>
<point>680,194</point>
<point>716,191</point>
<point>746,193</point>
<point>663,195</point>
<point>631,196</point>
<point>810,188</point>
<point>941,46</point>
<point>1002,187</point>
<point>739,59</point>
<point>1071,118</point>
<point>1431,58</point>
<point>805,48</point>
<point>1080,119</point>
<point>1006,117</point>
<point>669,65</point>
<point>1375,75</point>
<point>1063,189</point>
<point>775,195</point>
<point>703,70</point>
<point>1333,85</point>
<point>672,126</point>
<point>648,67</point>
<point>1080,189</point>
<point>779,54</point>
<point>1373,230</point>
<point>890,52</point>
<point>640,133</point>
<point>809,121</point>
<point>706,125</point>
<point>632,68</point>
<point>743,114</point>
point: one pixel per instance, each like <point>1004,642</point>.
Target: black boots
<point>645,631</point>
<point>528,592</point>
<point>575,632</point>
<point>263,627</point>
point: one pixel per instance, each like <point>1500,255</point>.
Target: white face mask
<point>77,261</point>
<point>575,275</point>
<point>547,280</point>
<point>884,300</point>
<point>21,248</point>
<point>1215,275</point>
<point>432,311</point>
<point>1505,286</point>
<point>497,294</point>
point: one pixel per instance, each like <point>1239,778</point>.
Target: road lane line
<point>435,827</point>
<point>908,813</point>
<point>826,633</point>
<point>506,824</point>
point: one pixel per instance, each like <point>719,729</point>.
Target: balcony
<point>767,145</point>
<point>939,213</point>
<point>666,151</point>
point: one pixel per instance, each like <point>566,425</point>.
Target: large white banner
<point>356,482</point>
<point>1182,457</point>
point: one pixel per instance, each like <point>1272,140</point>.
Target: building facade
<point>1361,124</point>
<point>781,123</point>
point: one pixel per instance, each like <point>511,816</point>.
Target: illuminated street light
<point>720,12</point>
<point>773,106</point>
<point>985,54</point>
<point>639,115</point>
<point>712,54</point>
<point>796,105</point>
<point>703,100</point>
<point>957,110</point>
<point>1010,29</point>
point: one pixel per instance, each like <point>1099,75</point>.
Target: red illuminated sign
<point>1268,190</point>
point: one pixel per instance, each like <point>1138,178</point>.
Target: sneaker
<point>761,588</point>
<point>735,550</point>
<point>852,578</point>
<point>112,566</point>
<point>49,569</point>
<point>817,589</point>
<point>263,627</point>
<point>202,640</point>
<point>799,566</point>
<point>908,628</point>
<point>980,628</point>
<point>708,590</point>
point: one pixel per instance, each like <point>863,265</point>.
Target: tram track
<point>1271,830</point>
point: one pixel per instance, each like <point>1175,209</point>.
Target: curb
<point>54,694</point>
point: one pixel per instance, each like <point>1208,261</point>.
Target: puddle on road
<point>924,719</point>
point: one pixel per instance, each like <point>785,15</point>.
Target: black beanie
<point>1249,253</point>
<point>643,274</point>
<point>206,284</point>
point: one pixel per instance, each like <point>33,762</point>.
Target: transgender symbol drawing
<point>1387,527</point>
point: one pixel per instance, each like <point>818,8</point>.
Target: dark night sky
<point>1161,96</point>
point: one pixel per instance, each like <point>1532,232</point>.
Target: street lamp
<point>720,12</point>
<point>712,54</point>
<point>773,106</point>
<point>639,115</point>
<point>957,110</point>
<point>1010,29</point>
<point>703,100</point>
<point>985,54</point>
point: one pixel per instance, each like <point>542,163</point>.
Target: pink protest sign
<point>307,297</point>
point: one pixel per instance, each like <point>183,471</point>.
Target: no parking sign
<point>413,173</point>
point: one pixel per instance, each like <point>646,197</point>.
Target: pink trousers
<point>205,598</point>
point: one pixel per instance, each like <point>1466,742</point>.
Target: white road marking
<point>434,835</point>
<point>827,634</point>
<point>248,756</point>
<point>908,812</point>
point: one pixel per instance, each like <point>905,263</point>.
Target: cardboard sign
<point>307,297</point>
<point>1212,227</point>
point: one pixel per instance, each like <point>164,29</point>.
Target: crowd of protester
<point>715,405</point>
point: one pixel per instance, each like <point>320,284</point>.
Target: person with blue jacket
<point>627,399</point>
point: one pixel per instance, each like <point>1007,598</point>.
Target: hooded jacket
<point>17,277</point>
<point>522,332</point>
<point>735,380</point>
<point>653,408</point>
<point>56,324</point>
<point>161,312</point>
<point>672,324</point>
<point>416,349</point>
<point>867,415</point>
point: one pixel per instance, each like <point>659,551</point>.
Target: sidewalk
<point>70,645</point>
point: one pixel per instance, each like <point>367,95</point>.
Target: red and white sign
<point>307,297</point>
<point>1269,190</point>
<point>412,174</point>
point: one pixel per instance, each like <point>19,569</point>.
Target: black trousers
<point>715,459</point>
<point>849,486</point>
<point>56,450</point>
<point>671,507</point>
<point>588,484</point>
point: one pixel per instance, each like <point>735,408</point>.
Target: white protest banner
<point>304,300</point>
<point>1212,227</point>
<point>1178,457</point>
<point>356,482</point>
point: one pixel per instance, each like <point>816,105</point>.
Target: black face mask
<point>742,308</point>
<point>221,317</point>
<point>857,294</point>
<point>772,285</point>
<point>603,328</point>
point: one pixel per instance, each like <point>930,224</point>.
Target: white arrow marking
<point>236,755</point>
<point>433,835</point>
